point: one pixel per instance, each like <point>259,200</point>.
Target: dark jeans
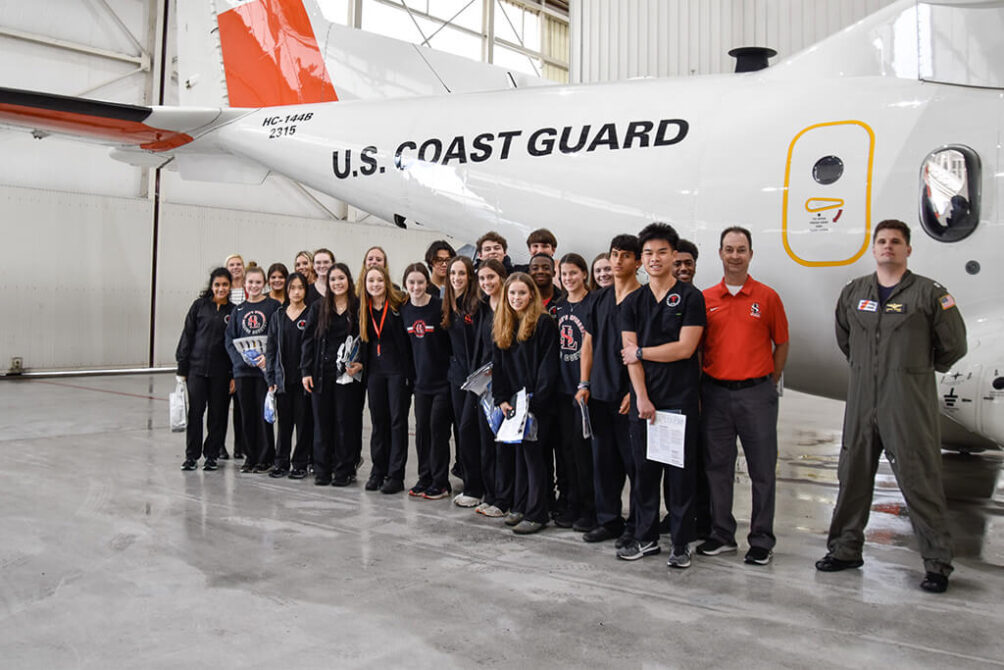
<point>465,406</point>
<point>390,400</point>
<point>646,490</point>
<point>577,455</point>
<point>751,415</point>
<point>259,440</point>
<point>432,439</point>
<point>613,462</point>
<point>213,392</point>
<point>702,493</point>
<point>293,409</point>
<point>337,414</point>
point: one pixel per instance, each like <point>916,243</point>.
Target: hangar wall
<point>668,38</point>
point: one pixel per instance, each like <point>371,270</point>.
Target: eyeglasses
<point>441,260</point>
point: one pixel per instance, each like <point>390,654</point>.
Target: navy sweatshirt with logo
<point>247,319</point>
<point>430,345</point>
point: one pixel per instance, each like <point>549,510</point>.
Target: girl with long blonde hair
<point>525,356</point>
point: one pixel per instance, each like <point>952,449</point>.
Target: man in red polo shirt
<point>745,347</point>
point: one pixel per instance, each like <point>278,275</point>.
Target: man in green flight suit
<point>896,328</point>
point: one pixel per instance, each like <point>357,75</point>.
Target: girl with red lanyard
<point>389,376</point>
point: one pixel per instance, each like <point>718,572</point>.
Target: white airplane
<point>898,116</point>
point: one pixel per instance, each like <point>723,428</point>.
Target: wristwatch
<point>637,353</point>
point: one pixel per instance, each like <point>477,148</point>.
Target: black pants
<point>238,422</point>
<point>465,406</point>
<point>646,489</point>
<point>293,408</point>
<point>577,455</point>
<point>259,440</point>
<point>390,400</point>
<point>432,438</point>
<point>702,493</point>
<point>533,484</point>
<point>203,391</point>
<point>337,412</point>
<point>489,459</point>
<point>613,461</point>
<point>506,495</point>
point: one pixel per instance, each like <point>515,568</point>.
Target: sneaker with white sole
<point>713,547</point>
<point>489,510</point>
<point>679,558</point>
<point>463,500</point>
<point>758,556</point>
<point>634,550</point>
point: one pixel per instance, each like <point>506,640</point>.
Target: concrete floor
<point>111,557</point>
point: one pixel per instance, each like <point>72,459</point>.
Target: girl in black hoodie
<point>282,372</point>
<point>526,357</point>
<point>330,378</point>
<point>250,320</point>
<point>204,365</point>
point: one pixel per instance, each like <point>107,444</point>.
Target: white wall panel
<point>193,240</point>
<point>619,39</point>
<point>74,279</point>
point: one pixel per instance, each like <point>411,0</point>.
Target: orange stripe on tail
<point>88,125</point>
<point>271,57</point>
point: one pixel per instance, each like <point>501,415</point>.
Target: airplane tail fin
<point>264,53</point>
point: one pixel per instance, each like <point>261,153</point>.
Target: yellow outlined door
<point>827,193</point>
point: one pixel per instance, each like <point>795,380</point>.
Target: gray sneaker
<point>679,558</point>
<point>525,527</point>
<point>512,518</point>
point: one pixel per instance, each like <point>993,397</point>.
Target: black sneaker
<point>224,455</point>
<point>713,547</point>
<point>238,455</point>
<point>599,534</point>
<point>341,480</point>
<point>247,468</point>
<point>392,486</point>
<point>374,483</point>
<point>584,524</point>
<point>418,490</point>
<point>262,468</point>
<point>935,583</point>
<point>189,464</point>
<point>831,563</point>
<point>436,493</point>
<point>298,473</point>
<point>626,537</point>
<point>210,465</point>
<point>457,471</point>
<point>278,472</point>
<point>758,556</point>
<point>322,480</point>
<point>634,550</point>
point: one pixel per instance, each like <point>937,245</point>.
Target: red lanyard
<point>379,328</point>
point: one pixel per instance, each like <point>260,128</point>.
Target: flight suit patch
<point>867,306</point>
<point>947,301</point>
<point>895,308</point>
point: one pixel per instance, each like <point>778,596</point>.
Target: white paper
<point>666,437</point>
<point>511,430</point>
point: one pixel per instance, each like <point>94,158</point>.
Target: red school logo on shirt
<point>254,322</point>
<point>673,299</point>
<point>755,310</point>
<point>419,329</point>
<point>301,324</point>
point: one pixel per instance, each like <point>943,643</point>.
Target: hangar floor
<point>112,557</point>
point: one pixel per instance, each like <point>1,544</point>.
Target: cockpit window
<point>950,193</point>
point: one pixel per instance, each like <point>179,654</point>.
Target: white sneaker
<point>466,501</point>
<point>489,510</point>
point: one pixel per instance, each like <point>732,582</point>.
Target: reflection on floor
<point>112,557</point>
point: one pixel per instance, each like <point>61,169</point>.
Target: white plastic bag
<point>178,400</point>
<point>270,407</point>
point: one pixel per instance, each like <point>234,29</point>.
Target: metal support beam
<point>143,61</point>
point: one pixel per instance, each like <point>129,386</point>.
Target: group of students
<point>595,356</point>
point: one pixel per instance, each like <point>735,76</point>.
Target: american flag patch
<point>947,301</point>
<point>867,306</point>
